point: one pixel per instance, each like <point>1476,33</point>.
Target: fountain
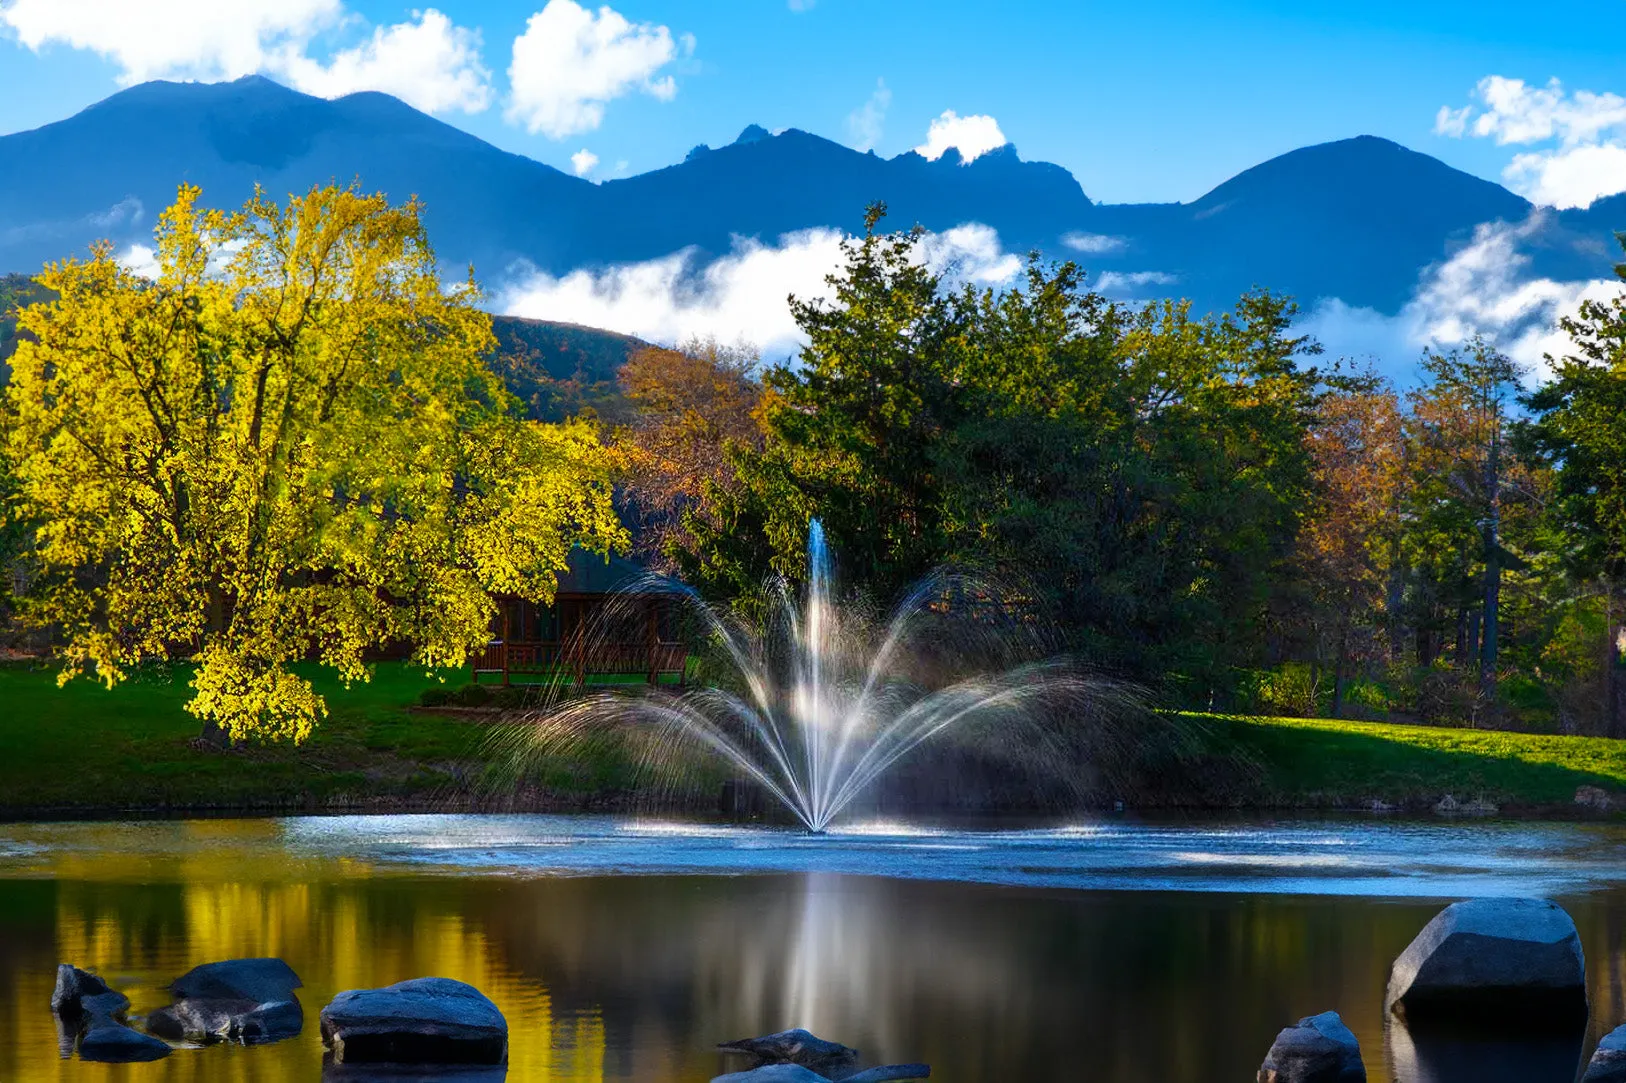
<point>822,702</point>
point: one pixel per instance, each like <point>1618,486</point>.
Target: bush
<point>1292,688</point>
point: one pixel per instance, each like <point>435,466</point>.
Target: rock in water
<point>774,1073</point>
<point>1489,959</point>
<point>1316,1049</point>
<point>90,1017</point>
<point>238,979</point>
<point>796,1047</point>
<point>113,1042</point>
<point>237,1000</point>
<point>73,985</point>
<point>1608,1064</point>
<point>890,1072</point>
<point>422,1021</point>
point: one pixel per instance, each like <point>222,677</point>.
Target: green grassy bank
<point>81,749</point>
<point>1324,763</point>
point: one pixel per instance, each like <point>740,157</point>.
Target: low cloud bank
<point>1486,288</point>
<point>741,296</point>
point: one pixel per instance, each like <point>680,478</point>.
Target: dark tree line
<point>1191,500</point>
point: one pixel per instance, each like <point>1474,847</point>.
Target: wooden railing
<point>579,660</point>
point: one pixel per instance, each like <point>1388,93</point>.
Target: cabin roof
<point>596,573</point>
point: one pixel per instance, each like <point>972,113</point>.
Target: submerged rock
<point>422,1021</point>
<point>797,1047</point>
<point>795,1073</point>
<point>237,1000</point>
<point>113,1042</point>
<point>74,985</point>
<point>1608,1063</point>
<point>1316,1049</point>
<point>774,1073</point>
<point>90,1018</point>
<point>1491,959</point>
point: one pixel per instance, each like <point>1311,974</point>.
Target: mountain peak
<point>753,133</point>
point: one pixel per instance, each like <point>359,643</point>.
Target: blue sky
<point>1142,101</point>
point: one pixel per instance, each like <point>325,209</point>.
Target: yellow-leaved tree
<point>285,445</point>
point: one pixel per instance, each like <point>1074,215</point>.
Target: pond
<point>623,950</point>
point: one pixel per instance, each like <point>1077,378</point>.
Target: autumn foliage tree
<point>690,404</point>
<point>284,446</point>
<point>1347,545</point>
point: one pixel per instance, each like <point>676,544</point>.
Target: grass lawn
<point>82,746</point>
<point>1323,762</point>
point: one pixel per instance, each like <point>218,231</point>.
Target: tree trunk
<point>1615,670</point>
<point>1338,669</point>
<point>1493,569</point>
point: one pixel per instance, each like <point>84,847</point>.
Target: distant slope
<point>1359,219</point>
<point>15,292</point>
<point>557,369</point>
<point>562,369</point>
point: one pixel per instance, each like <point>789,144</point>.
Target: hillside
<point>556,369</point>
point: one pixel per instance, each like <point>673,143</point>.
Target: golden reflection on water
<point>635,978</point>
<point>143,918</point>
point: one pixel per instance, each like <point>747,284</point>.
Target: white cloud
<point>1586,133</point>
<point>583,162</point>
<point>800,5</point>
<point>140,259</point>
<point>427,61</point>
<point>865,123</point>
<point>1484,289</point>
<point>1094,244</point>
<point>737,297</point>
<point>1569,178</point>
<point>155,39</point>
<point>1129,285</point>
<point>973,136</point>
<point>570,62</point>
<point>430,63</point>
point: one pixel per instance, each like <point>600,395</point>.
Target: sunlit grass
<point>1327,761</point>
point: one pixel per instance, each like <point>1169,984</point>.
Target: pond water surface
<point>1113,952</point>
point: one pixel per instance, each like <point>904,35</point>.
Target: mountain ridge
<point>1357,219</point>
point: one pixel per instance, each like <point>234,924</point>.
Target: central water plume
<point>819,701</point>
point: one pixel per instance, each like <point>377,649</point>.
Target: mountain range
<point>1360,219</point>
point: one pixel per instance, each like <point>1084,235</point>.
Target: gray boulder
<point>890,1072</point>
<point>422,1021</point>
<point>237,1000</point>
<point>74,985</point>
<point>795,1073</point>
<point>1608,1063</point>
<point>774,1073</point>
<point>1489,959</point>
<point>113,1042</point>
<point>90,1018</point>
<point>238,979</point>
<point>1316,1049</point>
<point>797,1047</point>
<point>106,1038</point>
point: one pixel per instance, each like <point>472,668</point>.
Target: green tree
<point>1142,473</point>
<point>1580,422</point>
<point>1460,421</point>
<point>285,446</point>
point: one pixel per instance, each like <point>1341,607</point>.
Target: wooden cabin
<point>608,621</point>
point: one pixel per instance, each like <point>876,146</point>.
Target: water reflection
<point>607,977</point>
<point>1435,1054</point>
